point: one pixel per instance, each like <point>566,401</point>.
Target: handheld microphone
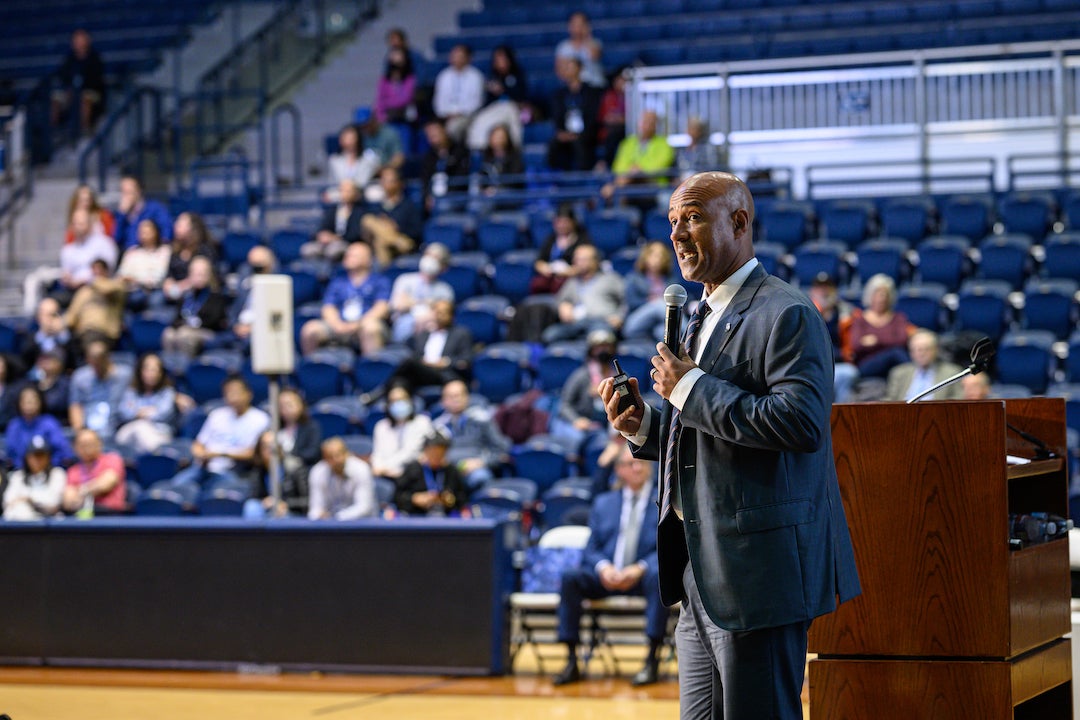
<point>674,298</point>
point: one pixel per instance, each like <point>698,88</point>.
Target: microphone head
<point>981,353</point>
<point>675,295</point>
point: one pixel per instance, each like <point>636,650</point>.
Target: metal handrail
<point>275,139</point>
<point>137,136</point>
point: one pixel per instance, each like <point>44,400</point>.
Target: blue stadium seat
<point>286,244</point>
<point>966,215</point>
<point>983,306</point>
<point>555,365</point>
<point>1031,214</point>
<point>498,374</point>
<point>1025,357</point>
<point>907,218</point>
<point>496,237</point>
<point>221,503</point>
<point>786,224</point>
<point>1051,305</point>
<point>512,273</point>
<point>319,380</point>
<point>331,424</point>
<point>944,260</point>
<point>203,380</point>
<point>155,467</point>
<point>564,505</point>
<point>464,278</point>
<point>1072,360</point>
<point>1062,256</point>
<point>1006,257</point>
<point>850,222</point>
<point>235,247</point>
<point>609,233</point>
<point>306,287</point>
<point>771,256</point>
<point>886,256</point>
<point>656,226</point>
<point>541,461</point>
<point>373,370</point>
<point>483,315</point>
<point>820,257</point>
<point>923,305</point>
<point>159,502</point>
<point>146,335</point>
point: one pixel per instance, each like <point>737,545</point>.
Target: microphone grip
<point>672,328</point>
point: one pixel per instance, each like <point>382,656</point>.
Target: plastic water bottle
<point>86,512</point>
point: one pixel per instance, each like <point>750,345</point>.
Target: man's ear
<point>740,221</point>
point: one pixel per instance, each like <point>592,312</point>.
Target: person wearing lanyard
<point>751,537</point>
<point>575,109</point>
<point>430,485</point>
<point>201,314</point>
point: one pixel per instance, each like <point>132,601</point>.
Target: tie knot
<point>703,309</point>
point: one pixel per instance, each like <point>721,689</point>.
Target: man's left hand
<point>668,370</point>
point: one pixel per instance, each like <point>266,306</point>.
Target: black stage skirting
<point>409,595</point>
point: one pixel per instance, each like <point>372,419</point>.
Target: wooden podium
<point>951,623</point>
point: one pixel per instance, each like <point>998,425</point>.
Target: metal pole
<point>275,459</point>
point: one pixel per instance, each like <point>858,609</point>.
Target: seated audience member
<point>30,423</point>
<point>148,408</point>
<point>459,91</point>
<point>97,479</point>
<point>925,370</point>
<point>445,158</point>
<point>191,239</point>
<point>582,46</point>
<point>975,387</point>
<point>394,224</point>
<point>397,439</point>
<point>296,446</point>
<point>342,487</point>
<point>9,392</point>
<point>397,40</point>
<point>50,333</point>
<point>97,389</point>
<point>641,158</point>
<point>439,354</point>
<point>478,444</point>
<point>581,412</point>
<point>414,293</point>
<point>430,485</point>
<point>395,94</point>
<point>224,449</point>
<point>350,163</point>
<point>501,158</point>
<point>575,108</point>
<point>76,261</point>
<point>552,266</point>
<point>36,490</point>
<point>592,298</point>
<point>619,559</point>
<point>48,376</point>
<point>645,286</point>
<point>875,337</point>
<point>101,218</point>
<point>97,310</point>
<point>260,261</point>
<point>340,225</point>
<point>382,140</point>
<point>700,155</point>
<point>200,314</point>
<point>133,208</point>
<point>81,91</point>
<point>506,98</point>
<point>144,268</point>
<point>834,311</point>
<point>611,127</point>
<point>355,307</point>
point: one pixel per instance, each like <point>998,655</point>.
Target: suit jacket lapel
<point>732,317</point>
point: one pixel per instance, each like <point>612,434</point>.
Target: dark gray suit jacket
<point>764,527</point>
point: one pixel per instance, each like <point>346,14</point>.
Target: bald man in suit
<point>752,536</point>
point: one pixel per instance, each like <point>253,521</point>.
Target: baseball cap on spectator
<point>38,444</point>
<point>362,115</point>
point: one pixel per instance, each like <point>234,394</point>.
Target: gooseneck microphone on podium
<point>981,353</point>
<point>674,298</point>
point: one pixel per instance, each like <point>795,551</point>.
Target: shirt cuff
<point>599,567</point>
<point>682,389</point>
<point>643,430</point>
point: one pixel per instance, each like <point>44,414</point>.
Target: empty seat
<point>820,257</point>
<point>944,260</point>
<point>1031,214</point>
<point>849,222</point>
<point>885,256</point>
<point>1025,357</point>
<point>786,224</point>
<point>923,305</point>
<point>907,218</point>
<point>1062,259</point>
<point>1006,257</point>
<point>983,306</point>
<point>966,215</point>
<point>1051,305</point>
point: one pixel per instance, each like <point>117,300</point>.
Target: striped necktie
<point>675,426</point>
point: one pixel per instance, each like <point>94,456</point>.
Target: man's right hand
<point>629,420</point>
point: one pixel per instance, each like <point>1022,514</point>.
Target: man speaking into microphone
<point>752,536</point>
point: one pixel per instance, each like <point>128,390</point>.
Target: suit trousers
<point>585,584</point>
<point>751,675</point>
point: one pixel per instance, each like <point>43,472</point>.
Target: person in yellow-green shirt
<point>640,156</point>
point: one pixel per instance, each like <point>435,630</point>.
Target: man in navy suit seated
<point>620,559</point>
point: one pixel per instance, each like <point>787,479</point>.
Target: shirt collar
<point>721,297</point>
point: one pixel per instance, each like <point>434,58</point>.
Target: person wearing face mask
<point>260,261</point>
<point>200,314</point>
<point>430,485</point>
<point>398,438</point>
<point>414,293</point>
<point>581,413</point>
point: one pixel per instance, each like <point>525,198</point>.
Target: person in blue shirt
<point>355,309</point>
<point>31,423</point>
<point>133,208</point>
